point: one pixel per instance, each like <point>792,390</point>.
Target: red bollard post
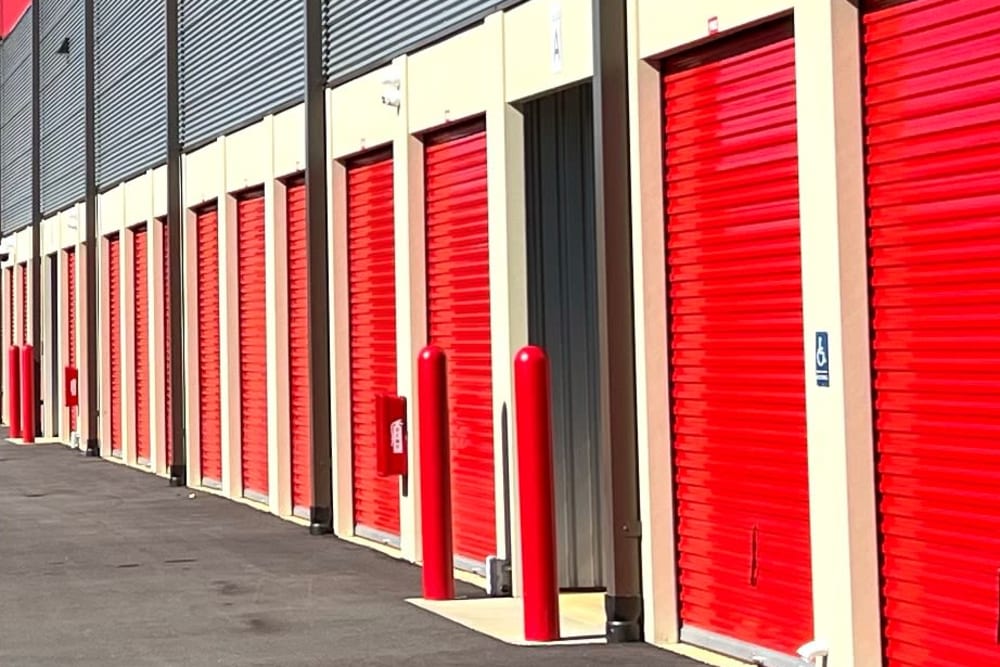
<point>14,390</point>
<point>27,394</point>
<point>533,414</point>
<point>435,475</point>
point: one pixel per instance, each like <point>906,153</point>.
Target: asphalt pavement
<point>103,565</point>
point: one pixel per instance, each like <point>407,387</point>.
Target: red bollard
<point>435,475</point>
<point>14,391</point>
<point>27,394</point>
<point>533,412</point>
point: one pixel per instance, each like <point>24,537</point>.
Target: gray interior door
<point>562,296</point>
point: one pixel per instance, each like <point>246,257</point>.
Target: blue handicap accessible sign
<point>822,359</point>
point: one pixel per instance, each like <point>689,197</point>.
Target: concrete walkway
<point>102,565</point>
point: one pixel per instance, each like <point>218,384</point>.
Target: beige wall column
<point>835,291</point>
<point>229,340</point>
<point>45,358</point>
<point>656,484</point>
<point>126,307</point>
<point>341,471</point>
<point>411,301</point>
<point>279,486</point>
<point>508,276</point>
<point>103,383</point>
<point>63,343</point>
<point>192,395</point>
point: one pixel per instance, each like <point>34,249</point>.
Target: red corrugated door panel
<point>209,369</point>
<point>24,304</point>
<point>71,321</point>
<point>114,338</point>
<point>140,299</point>
<point>298,346</point>
<point>458,314</point>
<point>372,265</point>
<point>167,353</point>
<point>932,111</point>
<point>736,349</point>
<point>253,345</point>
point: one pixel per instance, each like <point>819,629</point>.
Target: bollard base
<point>624,615</point>
<point>93,448</point>
<point>320,521</point>
<point>178,475</point>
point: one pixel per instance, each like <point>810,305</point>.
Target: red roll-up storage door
<point>140,298</point>
<point>167,352</point>
<point>24,304</point>
<point>114,338</point>
<point>209,370</point>
<point>71,322</point>
<point>372,266</point>
<point>933,139</point>
<point>298,347</point>
<point>253,346</point>
<point>736,349</point>
<point>458,314</point>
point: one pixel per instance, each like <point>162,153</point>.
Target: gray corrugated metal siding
<point>62,104</point>
<point>562,314</point>
<point>363,34</point>
<point>238,61</point>
<point>15,127</point>
<point>131,87</point>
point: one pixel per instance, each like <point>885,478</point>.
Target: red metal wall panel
<point>458,314</point>
<point>12,300</point>
<point>298,345</point>
<point>932,111</point>
<point>372,265</point>
<point>736,348</point>
<point>167,353</point>
<point>209,369</point>
<point>71,321</point>
<point>253,344</point>
<point>140,299</point>
<point>114,338</point>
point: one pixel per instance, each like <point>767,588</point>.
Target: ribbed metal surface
<point>736,349</point>
<point>253,344</point>
<point>362,34</point>
<point>562,270</point>
<point>113,336</point>
<point>131,87</point>
<point>458,320</point>
<point>238,61</point>
<point>23,277</point>
<point>209,353</point>
<point>932,111</point>
<point>61,103</point>
<point>15,127</point>
<point>298,346</point>
<point>140,330</point>
<point>71,321</point>
<point>372,264</point>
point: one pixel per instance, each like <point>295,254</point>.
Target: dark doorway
<point>562,304</point>
<point>52,344</point>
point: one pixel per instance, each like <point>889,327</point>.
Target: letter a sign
<point>556,35</point>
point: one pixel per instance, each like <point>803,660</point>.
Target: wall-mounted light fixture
<point>391,95</point>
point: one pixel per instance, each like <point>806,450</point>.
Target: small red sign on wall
<point>71,386</point>
<point>390,417</point>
